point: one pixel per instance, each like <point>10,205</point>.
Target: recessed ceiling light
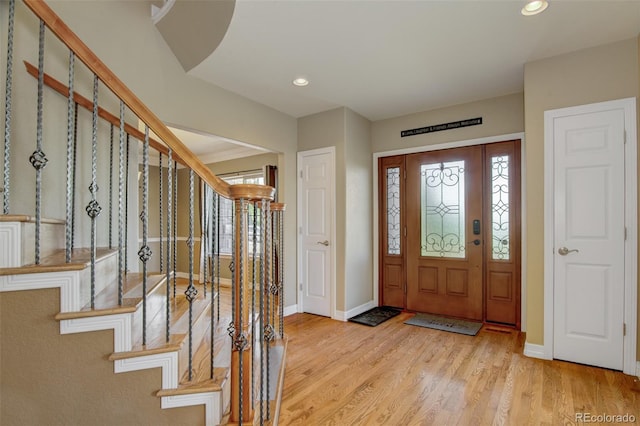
<point>300,82</point>
<point>534,7</point>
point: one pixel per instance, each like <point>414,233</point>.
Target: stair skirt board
<point>122,326</point>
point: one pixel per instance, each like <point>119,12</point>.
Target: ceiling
<point>390,58</point>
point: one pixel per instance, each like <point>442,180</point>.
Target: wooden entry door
<point>444,232</point>
<point>450,232</point>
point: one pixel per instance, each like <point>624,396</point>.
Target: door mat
<point>445,324</point>
<point>375,316</point>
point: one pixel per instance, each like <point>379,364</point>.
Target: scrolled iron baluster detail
<point>268,328</point>
<point>213,310</point>
<point>38,159</point>
<point>6,181</point>
<point>281,271</point>
<point>218,252</point>
<point>145,252</point>
<point>261,316</point>
<point>241,340</point>
<point>191,291</point>
<point>126,205</point>
<point>93,209</point>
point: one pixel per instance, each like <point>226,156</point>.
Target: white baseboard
<point>345,315</point>
<point>290,310</point>
<point>534,351</point>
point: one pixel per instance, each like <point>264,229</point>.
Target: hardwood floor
<point>395,374</point>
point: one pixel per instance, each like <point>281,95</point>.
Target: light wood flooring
<point>341,373</point>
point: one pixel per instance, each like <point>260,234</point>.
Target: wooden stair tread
<point>175,343</point>
<point>220,374</point>
<point>80,259</point>
<point>28,219</point>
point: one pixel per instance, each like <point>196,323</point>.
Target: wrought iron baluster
<point>169,208</point>
<point>72,109</point>
<point>261,316</point>
<point>145,252</point>
<point>121,192</point>
<point>241,340</point>
<point>93,209</point>
<point>160,206</point>
<point>212,324</point>
<point>38,159</point>
<point>268,329</point>
<point>218,252</point>
<point>111,187</point>
<point>6,181</point>
<point>126,208</point>
<point>74,185</point>
<point>191,292</point>
<point>254,253</point>
<point>204,241</point>
<point>175,226</point>
<point>281,270</point>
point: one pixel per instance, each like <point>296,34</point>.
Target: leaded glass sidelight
<point>500,207</point>
<point>393,210</point>
<point>442,201</point>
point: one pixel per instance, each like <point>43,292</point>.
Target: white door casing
<point>589,267</point>
<point>316,235</point>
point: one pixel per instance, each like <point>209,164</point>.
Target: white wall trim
<point>121,324</point>
<point>300,292</point>
<point>534,351</point>
<point>631,223</point>
<point>10,244</point>
<point>345,315</point>
<point>447,145</point>
<point>167,362</point>
<point>290,310</point>
<point>67,281</point>
<point>212,402</point>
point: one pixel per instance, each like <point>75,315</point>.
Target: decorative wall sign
<point>439,127</point>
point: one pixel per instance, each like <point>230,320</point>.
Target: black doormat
<point>469,328</point>
<point>375,316</point>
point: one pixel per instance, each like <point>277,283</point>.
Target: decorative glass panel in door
<point>442,205</point>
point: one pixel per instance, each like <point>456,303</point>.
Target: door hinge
<point>624,329</point>
<point>405,174</point>
<point>405,288</point>
<point>625,233</point>
<point>300,286</point>
<point>625,136</point>
<point>300,230</point>
<point>405,231</point>
<point>300,174</point>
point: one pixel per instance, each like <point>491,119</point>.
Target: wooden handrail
<point>106,115</point>
<point>109,79</point>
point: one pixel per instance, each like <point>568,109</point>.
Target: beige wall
<point>349,133</point>
<point>358,211</point>
<point>501,115</point>
<point>54,379</point>
<point>592,75</point>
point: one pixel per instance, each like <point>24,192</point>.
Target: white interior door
<point>316,236</point>
<point>589,237</point>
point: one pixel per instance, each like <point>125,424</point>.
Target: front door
<point>589,228</point>
<point>444,238</point>
<point>450,232</point>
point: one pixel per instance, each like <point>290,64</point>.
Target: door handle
<point>474,242</point>
<point>563,251</point>
<point>324,243</point>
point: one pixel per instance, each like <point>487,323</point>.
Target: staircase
<point>76,316</point>
<point>89,334</point>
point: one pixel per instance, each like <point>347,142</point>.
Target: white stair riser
<point>156,309</point>
<point>106,275</point>
<point>17,242</point>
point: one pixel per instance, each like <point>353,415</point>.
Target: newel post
<point>241,326</point>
